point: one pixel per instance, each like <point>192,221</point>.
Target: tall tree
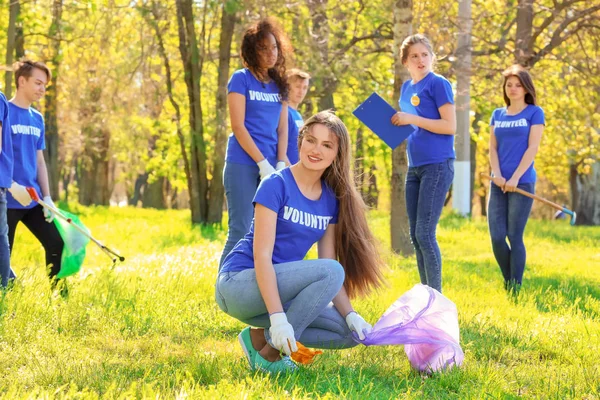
<point>153,17</point>
<point>461,193</point>
<point>11,38</point>
<point>216,192</point>
<point>51,100</point>
<point>523,42</point>
<point>192,56</point>
<point>399,219</point>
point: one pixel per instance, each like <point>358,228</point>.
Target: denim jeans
<point>426,188</point>
<point>306,289</point>
<point>4,248</point>
<point>240,182</point>
<point>507,217</point>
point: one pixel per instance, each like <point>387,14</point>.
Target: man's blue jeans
<point>426,188</point>
<point>4,249</point>
<point>507,216</point>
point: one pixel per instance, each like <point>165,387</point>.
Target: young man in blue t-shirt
<point>298,82</point>
<point>27,128</point>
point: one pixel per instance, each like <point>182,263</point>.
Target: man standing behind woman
<point>257,99</point>
<point>298,81</point>
<point>427,102</point>
<point>515,136</point>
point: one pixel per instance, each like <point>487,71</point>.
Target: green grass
<point>149,327</point>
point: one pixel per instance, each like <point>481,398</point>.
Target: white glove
<point>48,215</point>
<point>280,165</point>
<point>265,169</point>
<point>20,194</point>
<point>357,324</point>
<point>282,333</point>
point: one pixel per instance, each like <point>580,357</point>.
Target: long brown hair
<point>355,244</point>
<point>525,78</point>
<point>253,36</point>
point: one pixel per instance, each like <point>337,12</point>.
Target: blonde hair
<point>355,245</point>
<point>295,74</point>
<point>411,41</point>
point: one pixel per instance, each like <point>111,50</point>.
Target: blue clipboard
<point>376,114</point>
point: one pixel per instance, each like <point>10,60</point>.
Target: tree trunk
<point>399,218</point>
<point>94,168</point>
<point>324,77</point>
<point>153,22</point>
<point>217,192</point>
<point>51,103</point>
<point>524,44</point>
<point>11,36</point>
<point>192,63</point>
<point>372,198</point>
<point>461,200</point>
<point>94,165</point>
<point>585,195</point>
<point>154,194</point>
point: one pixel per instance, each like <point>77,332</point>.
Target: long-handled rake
<point>113,255</point>
<point>573,214</point>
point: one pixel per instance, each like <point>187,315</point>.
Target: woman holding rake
<point>515,135</point>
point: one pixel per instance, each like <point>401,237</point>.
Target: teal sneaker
<point>246,343</point>
<point>283,366</point>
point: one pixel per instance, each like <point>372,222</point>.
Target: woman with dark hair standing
<point>515,136</point>
<point>256,97</point>
<point>265,280</point>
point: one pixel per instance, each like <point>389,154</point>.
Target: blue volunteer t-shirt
<point>295,122</point>
<point>6,155</point>
<point>27,128</point>
<point>512,139</point>
<point>263,108</point>
<point>425,147</point>
<point>301,222</point>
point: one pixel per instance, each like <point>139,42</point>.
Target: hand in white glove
<point>20,194</point>
<point>48,215</point>
<point>357,324</point>
<point>282,333</point>
<point>264,169</point>
<point>280,165</point>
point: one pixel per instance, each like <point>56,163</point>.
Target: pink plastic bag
<point>426,323</point>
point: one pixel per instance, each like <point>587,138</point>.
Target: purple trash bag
<point>426,323</point>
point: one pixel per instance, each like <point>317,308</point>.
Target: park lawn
<point>149,327</point>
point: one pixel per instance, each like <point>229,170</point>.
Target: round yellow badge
<point>414,100</point>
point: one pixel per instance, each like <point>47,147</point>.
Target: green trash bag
<point>74,251</point>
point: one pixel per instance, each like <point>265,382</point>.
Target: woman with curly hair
<point>257,99</point>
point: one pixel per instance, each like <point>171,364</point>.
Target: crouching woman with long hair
<point>265,281</point>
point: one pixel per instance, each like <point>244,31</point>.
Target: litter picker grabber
<point>114,256</point>
<point>573,214</point>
